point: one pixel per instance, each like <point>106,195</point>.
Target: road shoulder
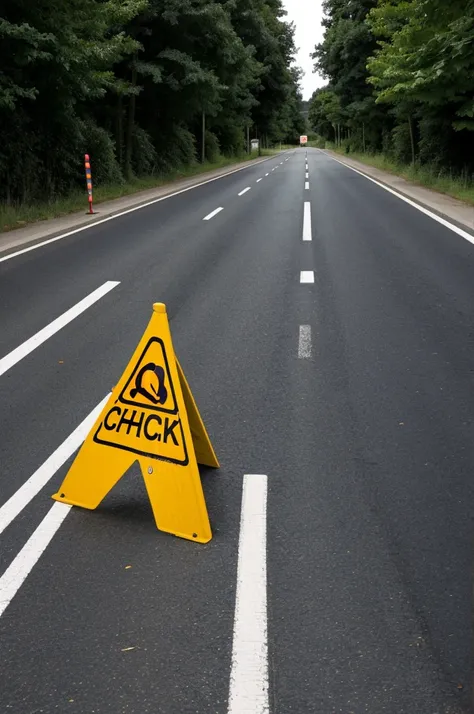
<point>12,241</point>
<point>445,206</point>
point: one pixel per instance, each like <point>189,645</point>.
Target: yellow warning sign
<point>151,417</point>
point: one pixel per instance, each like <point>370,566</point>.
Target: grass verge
<point>438,180</point>
<point>17,216</point>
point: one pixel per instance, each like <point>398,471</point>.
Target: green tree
<point>423,69</point>
<point>326,114</point>
<point>54,60</point>
<point>131,81</point>
<point>342,58</point>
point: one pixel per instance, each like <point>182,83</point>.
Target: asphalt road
<point>352,394</point>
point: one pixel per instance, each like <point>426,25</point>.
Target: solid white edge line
<point>213,213</point>
<point>307,276</point>
<point>19,569</point>
<point>32,343</point>
<point>244,191</point>
<point>306,186</point>
<point>304,342</point>
<point>124,213</point>
<point>452,227</point>
<point>307,232</point>
<point>248,690</point>
<point>21,498</point>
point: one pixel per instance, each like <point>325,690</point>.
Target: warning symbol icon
<point>146,387</point>
<point>149,384</point>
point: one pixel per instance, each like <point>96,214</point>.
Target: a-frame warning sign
<point>151,417</point>
<point>145,418</point>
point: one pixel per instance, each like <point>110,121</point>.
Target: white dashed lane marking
<point>304,342</point>
<point>307,232</point>
<point>214,213</point>
<point>307,276</point>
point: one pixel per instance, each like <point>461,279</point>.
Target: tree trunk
<point>119,129</point>
<point>130,124</point>
<point>203,147</point>
<point>412,140</point>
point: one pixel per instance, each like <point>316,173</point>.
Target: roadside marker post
<point>87,165</point>
<point>151,417</point>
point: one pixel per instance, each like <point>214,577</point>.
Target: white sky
<point>307,16</point>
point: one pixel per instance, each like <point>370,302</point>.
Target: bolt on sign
<point>151,417</point>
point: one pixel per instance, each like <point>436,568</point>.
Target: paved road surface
<point>351,392</point>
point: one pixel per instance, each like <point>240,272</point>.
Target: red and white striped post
<point>87,165</point>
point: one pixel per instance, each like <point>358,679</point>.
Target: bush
<point>231,140</point>
<point>144,157</point>
<point>387,143</point>
<point>318,142</point>
<point>175,148</point>
<point>401,143</point>
<point>21,169</point>
<point>434,147</point>
<point>40,161</point>
<point>100,146</point>
<point>213,150</point>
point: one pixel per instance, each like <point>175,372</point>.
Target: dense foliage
<point>401,79</point>
<point>131,81</point>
